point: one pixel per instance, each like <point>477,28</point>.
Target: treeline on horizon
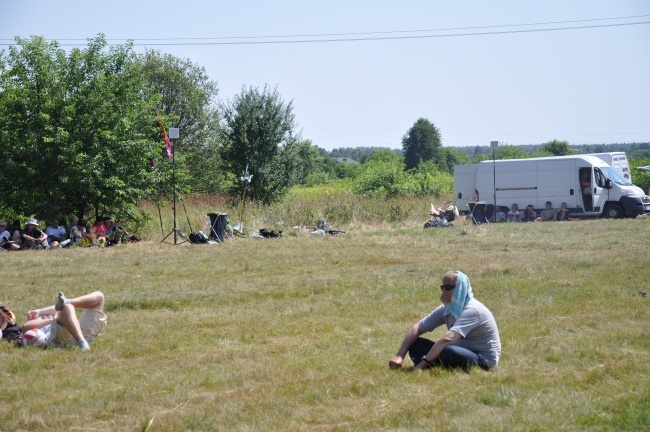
<point>633,150</point>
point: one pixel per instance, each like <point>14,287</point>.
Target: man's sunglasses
<point>447,287</point>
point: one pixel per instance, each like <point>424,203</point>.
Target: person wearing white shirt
<point>55,233</point>
<point>513,214</point>
<point>5,237</point>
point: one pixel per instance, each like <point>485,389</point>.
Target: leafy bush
<point>317,178</point>
<point>435,184</point>
<point>347,170</point>
<point>640,178</point>
<point>385,176</point>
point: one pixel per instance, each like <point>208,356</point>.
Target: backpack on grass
<point>198,237</point>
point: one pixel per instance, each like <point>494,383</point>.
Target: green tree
<point>259,132</point>
<point>309,165</point>
<point>509,152</point>
<point>385,155</point>
<point>478,151</point>
<point>421,143</point>
<point>640,150</point>
<point>554,148</point>
<point>190,97</point>
<point>359,154</point>
<point>449,157</point>
<point>76,130</point>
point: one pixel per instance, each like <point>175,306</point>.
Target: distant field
<point>296,333</point>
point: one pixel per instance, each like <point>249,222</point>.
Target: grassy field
<point>296,333</point>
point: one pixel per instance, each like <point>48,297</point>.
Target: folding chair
<point>218,222</point>
<point>477,211</point>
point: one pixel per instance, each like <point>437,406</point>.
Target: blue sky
<point>588,85</point>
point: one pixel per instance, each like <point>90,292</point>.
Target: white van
<point>555,179</point>
<point>617,160</point>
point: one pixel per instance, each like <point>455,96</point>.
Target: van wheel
<point>613,211</point>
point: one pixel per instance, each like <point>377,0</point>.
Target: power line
<point>366,33</point>
<point>306,119</point>
<point>544,135</point>
<point>386,38</point>
<point>346,135</point>
<point>364,39</point>
<point>302,41</point>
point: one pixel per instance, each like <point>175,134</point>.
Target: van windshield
<point>614,176</point>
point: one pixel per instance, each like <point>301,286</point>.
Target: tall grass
<point>302,207</point>
<point>296,333</point>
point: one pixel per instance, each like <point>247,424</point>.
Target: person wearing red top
<point>585,183</point>
<point>99,228</point>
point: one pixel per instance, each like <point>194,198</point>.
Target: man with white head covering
<point>472,337</point>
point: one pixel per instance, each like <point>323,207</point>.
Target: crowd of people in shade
<point>549,214</point>
<point>14,237</point>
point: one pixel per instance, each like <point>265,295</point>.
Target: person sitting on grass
<point>16,231</point>
<point>117,232</point>
<point>55,233</point>
<point>99,229</point>
<point>73,223</point>
<point>78,233</point>
<point>548,214</point>
<point>75,235</point>
<point>514,214</point>
<point>61,325</point>
<point>112,232</point>
<point>472,337</point>
<point>499,215</point>
<point>99,232</point>
<point>33,237</point>
<point>528,215</point>
<point>562,213</point>
<point>5,238</point>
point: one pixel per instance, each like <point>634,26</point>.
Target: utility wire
<point>359,39</point>
<point>307,119</point>
<point>301,41</point>
<point>369,33</point>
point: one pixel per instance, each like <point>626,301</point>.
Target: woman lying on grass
<point>59,322</point>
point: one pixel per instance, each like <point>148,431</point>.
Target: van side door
<point>557,183</point>
<point>599,193</point>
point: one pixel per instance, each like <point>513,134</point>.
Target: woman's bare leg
<point>94,300</point>
<point>68,319</point>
